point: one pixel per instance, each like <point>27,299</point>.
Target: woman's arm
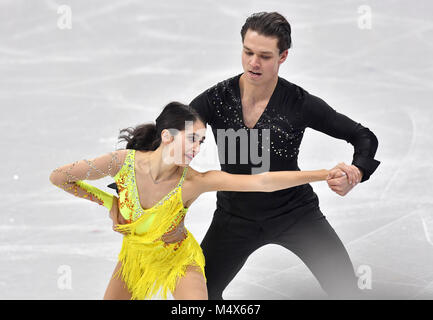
<point>264,182</point>
<point>70,176</point>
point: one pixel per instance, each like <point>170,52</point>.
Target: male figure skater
<point>259,99</point>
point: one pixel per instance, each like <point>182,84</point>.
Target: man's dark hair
<point>271,24</point>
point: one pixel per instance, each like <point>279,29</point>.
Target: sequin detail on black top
<point>285,132</point>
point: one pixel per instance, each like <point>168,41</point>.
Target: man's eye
<point>249,53</point>
<point>266,58</point>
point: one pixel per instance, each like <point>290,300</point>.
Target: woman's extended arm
<point>70,177</point>
<point>264,182</point>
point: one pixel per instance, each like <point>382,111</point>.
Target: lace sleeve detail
<point>70,177</point>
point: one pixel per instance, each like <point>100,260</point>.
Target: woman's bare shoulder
<point>193,174</point>
<point>192,186</point>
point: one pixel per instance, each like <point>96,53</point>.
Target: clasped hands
<point>342,178</point>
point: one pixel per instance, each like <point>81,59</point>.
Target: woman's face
<point>185,144</point>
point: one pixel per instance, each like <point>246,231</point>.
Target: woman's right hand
<point>115,214</point>
<point>343,178</point>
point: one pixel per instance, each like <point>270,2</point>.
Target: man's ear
<point>283,56</point>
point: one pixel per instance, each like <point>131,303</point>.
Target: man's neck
<point>253,92</point>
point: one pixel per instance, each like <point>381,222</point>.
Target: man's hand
<point>115,214</point>
<point>342,178</point>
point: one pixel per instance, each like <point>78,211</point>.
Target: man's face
<point>261,57</point>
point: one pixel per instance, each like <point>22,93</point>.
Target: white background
<point>66,93</point>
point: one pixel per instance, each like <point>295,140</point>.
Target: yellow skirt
<point>151,268</point>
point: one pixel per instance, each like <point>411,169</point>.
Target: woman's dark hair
<point>271,24</point>
<point>147,137</point>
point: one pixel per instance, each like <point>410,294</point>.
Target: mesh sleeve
<point>70,177</point>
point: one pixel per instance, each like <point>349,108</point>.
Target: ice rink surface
<point>66,93</point>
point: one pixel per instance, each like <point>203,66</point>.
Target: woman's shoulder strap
<point>183,175</point>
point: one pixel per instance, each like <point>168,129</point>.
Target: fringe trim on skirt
<point>149,268</point>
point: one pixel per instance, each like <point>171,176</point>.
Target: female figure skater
<point>156,187</point>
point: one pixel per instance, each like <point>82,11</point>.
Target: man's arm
<point>318,115</point>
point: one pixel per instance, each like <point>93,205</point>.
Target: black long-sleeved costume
<point>290,110</point>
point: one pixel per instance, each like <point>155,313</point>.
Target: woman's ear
<point>166,137</point>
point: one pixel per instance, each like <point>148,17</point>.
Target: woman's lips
<point>189,156</point>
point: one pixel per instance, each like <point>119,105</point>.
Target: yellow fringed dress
<point>149,266</point>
